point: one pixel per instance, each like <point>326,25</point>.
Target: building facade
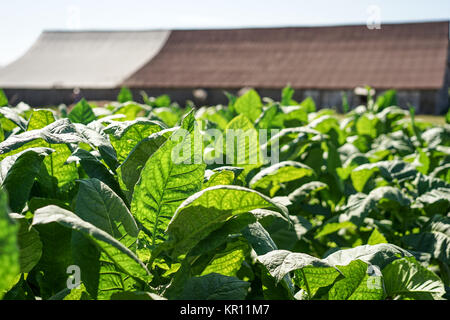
<point>321,62</point>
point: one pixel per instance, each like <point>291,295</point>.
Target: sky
<point>21,21</point>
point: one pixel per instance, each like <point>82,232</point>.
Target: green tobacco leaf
<point>342,275</point>
<point>56,257</point>
<point>259,238</point>
<point>387,99</point>
<point>97,204</point>
<point>40,119</point>
<point>293,116</point>
<point>356,284</point>
<point>379,255</point>
<point>442,172</point>
<point>57,136</point>
<point>314,280</point>
<point>225,233</point>
<point>228,261</point>
<point>220,178</point>
<point>426,184</point>
<point>326,124</point>
<point>333,227</point>
<point>76,294</point>
<point>125,95</point>
<point>436,136</point>
<point>436,200</point>
<point>100,141</point>
<point>272,177</point>
<point>3,98</point>
<point>94,168</point>
<point>82,113</point>
<point>353,281</point>
<point>302,193</point>
<point>434,238</point>
<point>361,175</point>
<point>367,124</point>
<point>130,110</point>
<point>309,104</point>
<point>269,118</point>
<point>406,278</point>
<point>20,291</point>
<point>9,249</point>
<point>21,170</point>
<point>279,263</point>
<point>376,238</point>
<point>164,184</point>
<point>396,170</point>
<point>30,245</point>
<point>126,135</point>
<point>215,287</point>
<point>353,160</point>
<point>286,96</point>
<point>359,206</point>
<point>120,256</point>
<point>209,209</point>
<point>389,170</point>
<point>239,145</point>
<point>130,170</point>
<point>161,101</point>
<point>268,217</point>
<point>10,118</point>
<point>249,105</point>
<point>170,116</point>
<point>287,234</point>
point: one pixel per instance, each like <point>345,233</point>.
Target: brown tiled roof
<point>401,56</point>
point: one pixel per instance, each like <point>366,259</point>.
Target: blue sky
<point>22,21</point>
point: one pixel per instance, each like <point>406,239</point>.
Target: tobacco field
<point>94,205</point>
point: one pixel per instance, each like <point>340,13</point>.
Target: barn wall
<point>425,102</point>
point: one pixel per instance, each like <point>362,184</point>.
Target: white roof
<point>90,59</point>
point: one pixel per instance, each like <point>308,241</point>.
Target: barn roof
<point>401,56</point>
<point>82,59</point>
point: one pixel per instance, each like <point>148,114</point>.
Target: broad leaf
<point>249,105</point>
<point>21,169</point>
<point>273,177</point>
<point>209,209</point>
<point>9,249</point>
<point>281,262</point>
<point>120,256</point>
<point>131,168</point>
<point>406,278</point>
<point>126,135</point>
<point>165,183</point>
<point>82,113</point>
<point>378,255</point>
<point>30,245</point>
<point>215,287</point>
<point>434,238</point>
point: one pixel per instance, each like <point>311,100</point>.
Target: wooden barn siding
<point>425,101</point>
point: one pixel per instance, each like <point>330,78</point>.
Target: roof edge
<point>251,27</point>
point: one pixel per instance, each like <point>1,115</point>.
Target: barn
<point>320,62</point>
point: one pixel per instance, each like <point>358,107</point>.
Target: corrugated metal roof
<point>82,59</point>
<point>401,56</point>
